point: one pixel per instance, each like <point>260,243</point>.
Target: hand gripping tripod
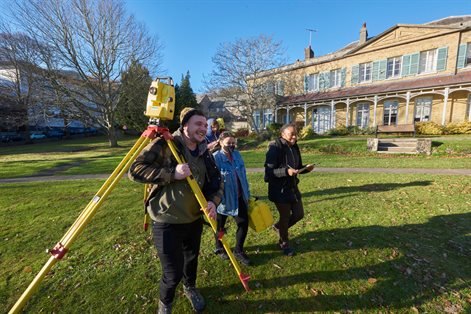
<point>157,92</point>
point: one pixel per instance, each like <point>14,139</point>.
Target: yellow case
<point>260,217</point>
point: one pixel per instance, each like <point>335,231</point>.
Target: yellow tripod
<point>62,247</point>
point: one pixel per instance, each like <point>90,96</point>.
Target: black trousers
<point>178,246</point>
<point>290,214</point>
<point>242,221</point>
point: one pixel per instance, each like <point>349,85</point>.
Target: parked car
<point>37,136</point>
<point>55,134</point>
<point>7,137</point>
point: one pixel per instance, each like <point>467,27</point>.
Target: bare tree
<point>20,77</point>
<point>89,44</point>
<point>240,73</point>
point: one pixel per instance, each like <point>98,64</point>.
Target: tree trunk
<point>112,138</point>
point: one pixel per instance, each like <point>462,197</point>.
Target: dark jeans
<point>178,246</point>
<point>242,220</point>
<point>290,214</point>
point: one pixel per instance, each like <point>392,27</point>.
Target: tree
<point>96,40</point>
<point>184,97</point>
<point>239,73</point>
<point>20,78</point>
<point>135,83</point>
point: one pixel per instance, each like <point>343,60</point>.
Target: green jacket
<point>172,201</point>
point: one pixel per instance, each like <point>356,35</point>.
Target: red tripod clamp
<point>58,251</point>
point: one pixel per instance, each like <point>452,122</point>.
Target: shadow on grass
<point>376,187</point>
<point>425,261</point>
<point>436,143</point>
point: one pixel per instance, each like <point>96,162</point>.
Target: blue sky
<point>192,30</point>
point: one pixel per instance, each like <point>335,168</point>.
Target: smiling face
<point>195,129</point>
<point>290,135</point>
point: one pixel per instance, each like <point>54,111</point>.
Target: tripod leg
<point>203,203</point>
<point>74,231</point>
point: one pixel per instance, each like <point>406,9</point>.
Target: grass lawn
<point>368,244</point>
<point>93,156</point>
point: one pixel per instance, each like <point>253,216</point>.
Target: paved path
<point>466,172</point>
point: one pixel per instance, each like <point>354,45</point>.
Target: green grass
<point>94,156</point>
<point>368,244</point>
<point>84,156</point>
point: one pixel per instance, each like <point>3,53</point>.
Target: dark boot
<point>195,297</point>
<point>164,309</point>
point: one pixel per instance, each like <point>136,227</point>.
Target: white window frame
<point>336,78</point>
<point>363,115</point>
<point>395,69</point>
<point>419,109</point>
<point>467,60</point>
<point>364,72</point>
<point>313,82</point>
<point>267,117</point>
<point>278,90</point>
<point>393,109</point>
<point>428,61</point>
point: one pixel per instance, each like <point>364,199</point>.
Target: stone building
<point>406,74</point>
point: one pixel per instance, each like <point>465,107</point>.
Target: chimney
<point>363,34</point>
<point>308,53</point>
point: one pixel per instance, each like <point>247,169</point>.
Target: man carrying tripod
<point>173,207</point>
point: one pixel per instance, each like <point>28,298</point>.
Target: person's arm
<point>149,165</point>
<point>272,168</point>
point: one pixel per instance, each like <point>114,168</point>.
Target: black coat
<point>282,188</point>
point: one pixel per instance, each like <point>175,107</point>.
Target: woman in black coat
<point>282,165</point>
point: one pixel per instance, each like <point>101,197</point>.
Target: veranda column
<point>332,113</point>
<point>305,114</point>
<point>407,108</point>
<point>445,101</point>
<point>276,114</point>
<point>374,110</point>
<point>348,112</point>
<point>469,113</point>
<point>287,114</point>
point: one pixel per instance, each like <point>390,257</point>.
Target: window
<point>335,78</point>
<point>365,72</point>
<point>468,55</point>
<point>390,112</point>
<point>363,115</point>
<point>256,118</point>
<point>279,88</point>
<point>423,109</point>
<point>428,61</point>
<point>312,82</point>
<point>267,117</point>
<point>393,67</point>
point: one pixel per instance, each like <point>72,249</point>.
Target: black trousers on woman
<point>242,221</point>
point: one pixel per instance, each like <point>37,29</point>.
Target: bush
<point>243,132</point>
<point>273,130</point>
<point>458,128</point>
<point>307,133</point>
<point>339,131</point>
<point>429,128</point>
<point>351,130</point>
<point>264,136</point>
<point>274,127</point>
